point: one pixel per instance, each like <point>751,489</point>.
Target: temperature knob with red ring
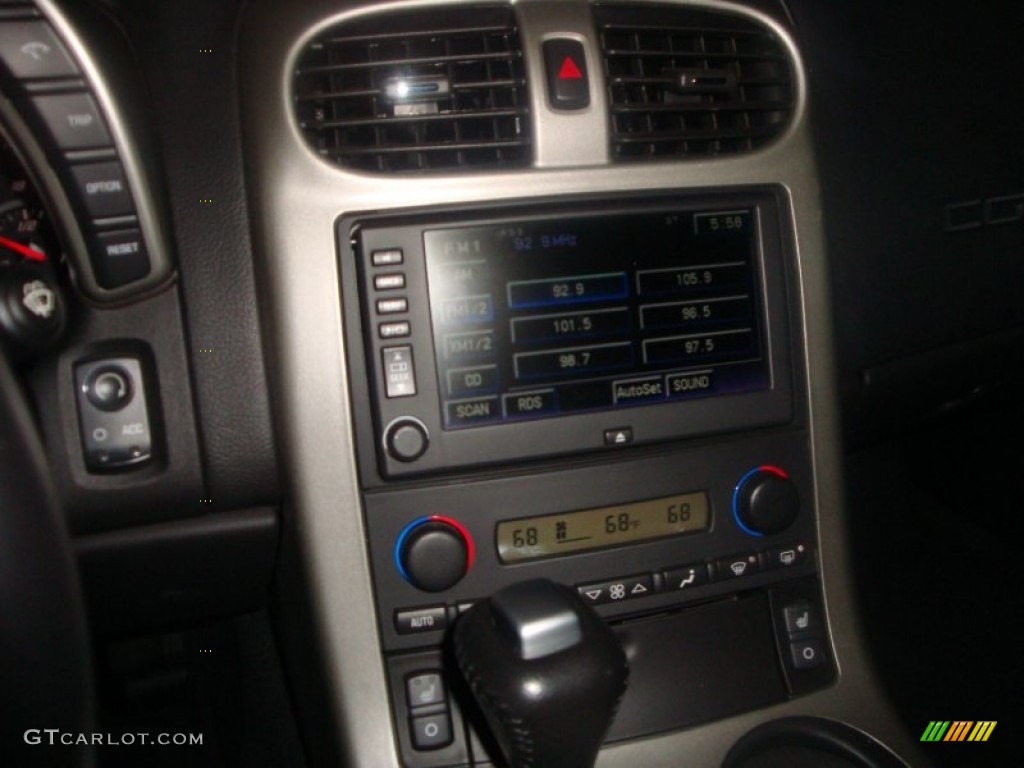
<point>765,501</point>
<point>434,553</point>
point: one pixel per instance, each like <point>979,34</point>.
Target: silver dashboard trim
<point>297,197</point>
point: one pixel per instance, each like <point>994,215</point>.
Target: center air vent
<point>690,82</point>
<point>423,90</point>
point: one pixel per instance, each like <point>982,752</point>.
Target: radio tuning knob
<point>406,439</point>
<point>765,501</point>
<point>434,553</point>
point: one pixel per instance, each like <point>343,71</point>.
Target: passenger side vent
<point>424,90</point>
<point>688,82</point>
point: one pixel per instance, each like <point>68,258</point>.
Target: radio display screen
<point>547,317</point>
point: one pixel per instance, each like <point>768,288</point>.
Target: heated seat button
<point>566,67</point>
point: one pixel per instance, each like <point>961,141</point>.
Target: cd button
<point>472,381</point>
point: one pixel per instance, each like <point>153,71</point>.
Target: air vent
<point>686,82</point>
<point>425,90</point>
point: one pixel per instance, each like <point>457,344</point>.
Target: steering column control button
<point>73,120</point>
<point>399,372</point>
<point>119,258</point>
<point>31,49</point>
<point>565,64</point>
<point>103,189</point>
<point>113,414</point>
<point>765,501</point>
<point>415,621</point>
<point>434,553</point>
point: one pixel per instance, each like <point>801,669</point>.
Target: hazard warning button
<point>566,67</point>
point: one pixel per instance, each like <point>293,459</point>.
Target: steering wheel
<point>45,662</point>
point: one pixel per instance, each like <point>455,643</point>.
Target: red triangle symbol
<point>569,70</point>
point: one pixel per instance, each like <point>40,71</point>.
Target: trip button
<point>103,188</point>
<point>73,120</point>
<point>31,49</point>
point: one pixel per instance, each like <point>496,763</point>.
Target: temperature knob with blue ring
<point>434,553</point>
<point>765,501</point>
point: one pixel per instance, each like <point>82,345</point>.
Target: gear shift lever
<point>545,669</point>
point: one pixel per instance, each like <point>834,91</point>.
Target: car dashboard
<point>335,319</point>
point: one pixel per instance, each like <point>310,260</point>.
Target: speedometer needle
<point>24,250</point>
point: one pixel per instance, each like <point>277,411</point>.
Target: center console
<point>604,393</point>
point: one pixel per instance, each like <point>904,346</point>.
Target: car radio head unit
<point>504,334</point>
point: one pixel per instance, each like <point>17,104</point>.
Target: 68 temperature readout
<point>551,535</point>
